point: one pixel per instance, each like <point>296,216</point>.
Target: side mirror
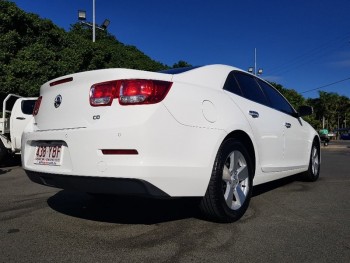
<point>305,111</point>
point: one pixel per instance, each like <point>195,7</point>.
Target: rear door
<point>266,123</point>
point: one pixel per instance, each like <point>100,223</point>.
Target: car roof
<point>211,76</point>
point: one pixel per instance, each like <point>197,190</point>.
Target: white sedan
<point>211,132</point>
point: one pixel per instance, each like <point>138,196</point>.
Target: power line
<point>327,85</point>
<point>310,56</point>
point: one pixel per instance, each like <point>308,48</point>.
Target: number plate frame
<point>48,154</point>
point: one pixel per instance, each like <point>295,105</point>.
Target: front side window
<point>276,99</point>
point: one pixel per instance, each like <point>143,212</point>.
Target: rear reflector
<point>120,152</point>
<point>37,106</point>
<point>61,81</point>
<point>129,92</point>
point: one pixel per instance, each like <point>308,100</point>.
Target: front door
<point>20,116</point>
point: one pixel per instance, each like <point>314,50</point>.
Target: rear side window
<point>250,88</point>
<point>28,106</point>
<point>231,85</point>
<point>276,99</point>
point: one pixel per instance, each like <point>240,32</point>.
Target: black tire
<point>230,186</point>
<point>313,172</point>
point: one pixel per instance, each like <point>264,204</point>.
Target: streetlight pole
<point>254,69</point>
<point>255,61</point>
<point>82,18</point>
<point>93,22</point>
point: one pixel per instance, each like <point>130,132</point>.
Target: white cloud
<point>341,64</point>
<point>342,60</point>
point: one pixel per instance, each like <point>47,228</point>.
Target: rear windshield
<point>177,70</point>
<point>28,106</point>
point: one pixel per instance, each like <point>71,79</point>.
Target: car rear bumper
<point>174,158</point>
<point>99,185</point>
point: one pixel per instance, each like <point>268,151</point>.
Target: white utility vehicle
<point>12,123</point>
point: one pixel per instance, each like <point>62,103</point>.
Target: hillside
<point>34,50</point>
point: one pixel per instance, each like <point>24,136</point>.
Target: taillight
<point>142,91</point>
<point>37,106</point>
<point>129,92</point>
<point>102,94</point>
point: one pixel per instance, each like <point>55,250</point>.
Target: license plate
<point>48,155</point>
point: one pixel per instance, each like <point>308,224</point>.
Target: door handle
<point>20,118</point>
<point>254,114</point>
<point>288,125</point>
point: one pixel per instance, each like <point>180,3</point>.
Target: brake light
<point>61,81</point>
<point>129,92</point>
<point>102,94</point>
<point>141,91</point>
<point>37,106</point>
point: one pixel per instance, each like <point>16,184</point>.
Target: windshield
<point>177,70</point>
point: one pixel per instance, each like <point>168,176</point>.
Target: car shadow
<point>4,171</point>
<point>122,210</point>
<point>270,186</point>
<point>138,210</point>
<point>11,161</point>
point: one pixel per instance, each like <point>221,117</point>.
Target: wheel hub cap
<point>235,178</point>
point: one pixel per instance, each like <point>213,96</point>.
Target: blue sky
<point>302,45</point>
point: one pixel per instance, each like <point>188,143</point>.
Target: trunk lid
<point>65,103</point>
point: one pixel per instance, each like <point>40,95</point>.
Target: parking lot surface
<point>287,221</point>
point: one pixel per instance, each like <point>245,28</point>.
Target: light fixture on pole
<point>105,24</point>
<point>82,19</point>
<point>81,15</point>
<point>252,70</point>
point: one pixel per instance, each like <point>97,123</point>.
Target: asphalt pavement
<point>287,221</point>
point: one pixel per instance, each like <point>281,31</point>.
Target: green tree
<point>181,64</point>
<point>331,107</point>
<point>34,50</point>
<point>291,95</point>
